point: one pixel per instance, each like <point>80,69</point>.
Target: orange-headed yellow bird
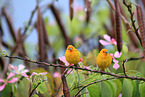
<point>72,55</point>
<point>103,59</point>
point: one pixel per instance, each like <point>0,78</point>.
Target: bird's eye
<point>103,52</point>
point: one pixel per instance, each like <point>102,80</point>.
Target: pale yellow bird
<point>103,59</point>
<point>72,55</point>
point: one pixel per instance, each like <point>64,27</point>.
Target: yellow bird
<point>72,55</point>
<point>103,59</point>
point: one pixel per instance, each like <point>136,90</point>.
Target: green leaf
<point>35,95</point>
<point>41,88</point>
<point>23,88</point>
<point>49,84</point>
<point>129,88</point>
<point>6,91</point>
<point>142,89</point>
<point>94,90</point>
<point>134,87</point>
<point>125,48</point>
<point>118,86</point>
<point>106,89</point>
<point>137,94</point>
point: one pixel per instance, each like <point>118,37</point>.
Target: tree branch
<point>30,21</point>
<point>79,68</point>
<point>93,83</point>
<point>35,88</point>
<point>130,59</point>
<point>132,20</point>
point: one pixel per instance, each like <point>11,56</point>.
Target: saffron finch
<point>72,55</point>
<point>103,59</point>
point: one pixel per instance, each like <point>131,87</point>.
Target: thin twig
<point>124,67</point>
<point>79,68</point>
<point>93,83</point>
<point>132,19</point>
<point>130,59</point>
<point>35,88</point>
<point>30,21</point>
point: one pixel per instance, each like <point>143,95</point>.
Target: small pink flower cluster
<point>34,73</point>
<point>6,81</point>
<point>117,54</point>
<point>18,70</point>
<point>108,40</point>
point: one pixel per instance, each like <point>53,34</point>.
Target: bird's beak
<point>106,52</point>
<point>70,49</point>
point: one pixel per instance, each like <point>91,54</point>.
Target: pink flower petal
<point>116,66</point>
<point>117,54</point>
<point>1,80</point>
<point>11,67</point>
<point>113,41</point>
<point>43,73</point>
<point>107,37</point>
<point>27,78</point>
<point>13,80</point>
<point>10,75</point>
<point>25,75</point>
<point>115,61</point>
<point>71,64</point>
<point>20,67</point>
<point>63,60</point>
<point>120,95</point>
<point>2,87</point>
<point>104,42</point>
<point>81,60</point>
<point>24,71</point>
<point>112,55</point>
<point>33,74</point>
<point>56,74</point>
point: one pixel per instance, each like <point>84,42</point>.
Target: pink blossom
<point>56,74</point>
<point>21,69</point>
<point>64,60</point>
<point>116,65</point>
<point>13,80</point>
<point>108,40</point>
<point>34,73</point>
<point>11,67</point>
<point>28,77</point>
<point>116,55</point>
<point>120,95</point>
<point>87,67</point>
<point>43,73</point>
<point>66,63</point>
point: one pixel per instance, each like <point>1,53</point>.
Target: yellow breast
<point>103,61</point>
<point>72,57</point>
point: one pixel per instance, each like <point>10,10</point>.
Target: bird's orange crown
<point>71,48</point>
<point>104,52</point>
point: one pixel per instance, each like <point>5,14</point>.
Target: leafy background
<point>84,36</point>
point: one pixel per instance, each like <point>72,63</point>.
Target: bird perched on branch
<point>72,55</point>
<point>103,59</point>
